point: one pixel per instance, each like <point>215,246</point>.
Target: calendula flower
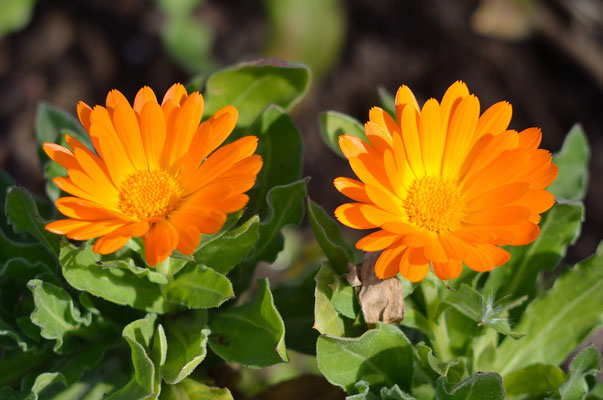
<point>444,185</point>
<point>155,172</point>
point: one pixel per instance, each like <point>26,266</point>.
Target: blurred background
<point>544,57</point>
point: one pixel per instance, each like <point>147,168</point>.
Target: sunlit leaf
<point>197,286</point>
<point>190,389</point>
<point>586,363</point>
<point>334,124</point>
<point>256,322</point>
<point>477,387</point>
<point>326,318</point>
<point>382,357</point>
<point>534,380</point>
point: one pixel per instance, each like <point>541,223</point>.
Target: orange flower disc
<point>444,185</point>
<point>156,172</point>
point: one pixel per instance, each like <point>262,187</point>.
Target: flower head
<point>155,172</point>
<point>444,185</point>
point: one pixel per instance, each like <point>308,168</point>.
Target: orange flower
<point>156,173</point>
<point>444,185</point>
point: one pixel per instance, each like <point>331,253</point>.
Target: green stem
<point>439,329</point>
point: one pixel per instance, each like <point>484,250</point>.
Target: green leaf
<point>197,286</point>
<point>478,387</point>
<point>344,298</point>
<point>296,306</point>
<point>329,237</point>
<point>317,37</point>
<point>586,363</point>
<point>187,340</point>
<point>50,121</point>
<point>387,101</point>
<point>559,228</point>
<point>251,87</point>
<point>256,322</point>
<point>472,304</point>
<point>281,147</point>
<point>226,251</point>
<point>117,281</point>
<point>43,381</point>
<point>572,160</point>
<point>10,336</point>
<point>24,216</point>
<point>139,335</point>
<point>382,357</point>
<point>395,393</point>
<point>30,253</point>
<point>178,7</point>
<point>575,300</point>
<point>286,207</point>
<point>189,42</point>
<point>326,318</point>
<point>534,380</point>
<point>364,393</point>
<point>334,124</point>
<point>54,312</point>
<point>15,15</point>
<point>190,389</point>
<point>453,371</point>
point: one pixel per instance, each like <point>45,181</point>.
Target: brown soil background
<point>81,49</point>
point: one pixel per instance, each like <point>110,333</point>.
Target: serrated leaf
<point>24,216</point>
<point>334,124</point>
<point>118,281</point>
<point>394,393</point>
<point>296,306</point>
<point>226,251</point>
<point>43,381</point>
<point>197,286</point>
<point>572,181</point>
<point>251,87</point>
<point>534,380</point>
<point>256,322</point>
<point>55,312</point>
<point>286,207</point>
<point>477,387</point>
<point>473,305</point>
<point>586,363</point>
<point>326,318</point>
<point>381,356</point>
<point>328,235</point>
<point>139,335</point>
<point>187,345</point>
<point>190,389</point>
<point>453,370</point>
<point>575,300</point>
<point>559,228</point>
<point>364,392</point>
<point>281,147</point>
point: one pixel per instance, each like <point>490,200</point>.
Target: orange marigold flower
<point>444,185</point>
<point>156,173</point>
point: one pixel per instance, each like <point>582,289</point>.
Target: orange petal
<point>509,215</point>
<point>349,214</point>
<point>95,229</point>
<point>385,200</point>
<point>160,242</point>
<point>144,95</point>
<point>460,134</point>
<point>379,138</point>
<point>376,241</point>
<point>388,263</point>
<point>498,197</point>
<point>412,272</point>
<point>433,249</point>
<point>398,227</point>
<point>495,119</point>
<point>152,129</point>
<point>128,131</point>
<point>62,156</point>
<point>452,98</point>
<point>525,232</point>
<point>410,139</point>
<point>537,200</point>
<point>114,154</point>
<point>176,93</point>
<point>448,270</point>
<point>416,239</point>
<point>484,257</point>
<point>385,121</point>
<point>351,188</point>
<point>212,223</point>
<point>115,97</point>
<point>188,239</point>
<point>455,247</point>
<point>75,207</point>
<point>96,169</point>
<point>83,113</point>
<point>64,226</point>
<point>404,96</point>
<point>232,204</point>
<point>119,237</point>
<point>185,125</point>
<point>432,137</point>
<point>530,138</point>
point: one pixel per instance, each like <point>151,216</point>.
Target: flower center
<point>149,194</point>
<point>434,204</point>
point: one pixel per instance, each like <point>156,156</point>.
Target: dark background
<point>550,69</point>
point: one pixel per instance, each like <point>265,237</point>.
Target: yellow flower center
<point>434,204</point>
<point>149,194</point>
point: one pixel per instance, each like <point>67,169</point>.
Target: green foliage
<point>256,322</point>
<point>586,363</point>
<point>478,387</point>
<point>190,389</point>
<point>334,124</point>
<point>326,318</point>
<point>534,380</point>
<point>15,15</point>
<point>197,286</point>
<point>188,42</point>
<point>317,37</point>
<point>329,237</point>
<point>252,87</point>
<point>382,357</point>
